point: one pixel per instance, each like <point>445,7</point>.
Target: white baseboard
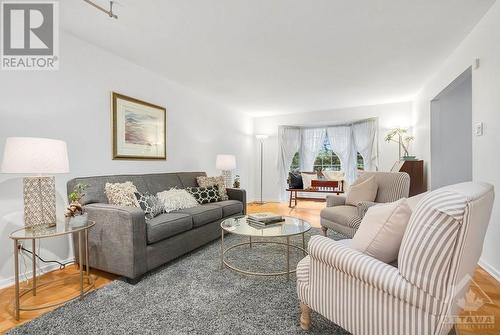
<point>495,273</point>
<point>6,282</point>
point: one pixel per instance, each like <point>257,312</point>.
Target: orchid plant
<point>400,136</point>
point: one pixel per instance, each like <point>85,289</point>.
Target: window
<point>326,160</point>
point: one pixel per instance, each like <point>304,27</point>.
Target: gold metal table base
<point>89,287</point>
<point>287,272</point>
<point>82,234</point>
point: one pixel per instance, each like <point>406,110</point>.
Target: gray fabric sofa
<point>124,243</point>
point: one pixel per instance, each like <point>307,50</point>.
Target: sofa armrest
<point>238,194</point>
<point>117,242</point>
<point>335,200</point>
<point>363,207</point>
<point>368,270</point>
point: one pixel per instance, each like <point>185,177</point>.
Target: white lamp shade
<point>30,155</point>
<point>225,162</point>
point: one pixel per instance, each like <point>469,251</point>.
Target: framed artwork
<point>139,129</point>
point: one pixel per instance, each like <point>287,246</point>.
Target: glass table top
<point>62,227</point>
<point>291,226</point>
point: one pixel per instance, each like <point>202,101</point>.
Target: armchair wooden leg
<point>305,316</point>
<point>324,229</point>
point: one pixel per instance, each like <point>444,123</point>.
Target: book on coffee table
<point>264,218</point>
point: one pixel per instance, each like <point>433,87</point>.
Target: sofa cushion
<point>229,207</point>
<point>162,182</point>
<point>203,214</point>
<point>166,225</point>
<point>343,215</point>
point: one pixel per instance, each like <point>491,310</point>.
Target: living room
<point>249,93</point>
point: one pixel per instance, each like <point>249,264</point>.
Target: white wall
<point>389,116</point>
<point>451,136</point>
<point>483,43</point>
<point>73,104</point>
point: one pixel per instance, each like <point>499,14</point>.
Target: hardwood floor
<point>58,293</point>
<point>307,210</point>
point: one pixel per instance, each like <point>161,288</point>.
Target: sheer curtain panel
<point>364,140</point>
<point>342,144</point>
<point>288,144</point>
<point>312,140</point>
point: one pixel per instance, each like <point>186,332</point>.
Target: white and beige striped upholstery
<point>392,186</point>
<point>440,250</point>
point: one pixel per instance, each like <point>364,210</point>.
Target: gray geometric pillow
<point>205,195</point>
<point>150,204</point>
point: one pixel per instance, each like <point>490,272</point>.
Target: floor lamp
<point>261,139</point>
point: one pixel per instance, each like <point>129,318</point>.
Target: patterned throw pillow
<point>214,181</point>
<point>121,194</point>
<point>205,195</point>
<point>150,204</point>
<point>175,199</point>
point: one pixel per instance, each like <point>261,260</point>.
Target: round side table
<point>38,233</point>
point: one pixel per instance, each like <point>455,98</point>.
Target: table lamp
<point>40,157</point>
<point>226,163</point>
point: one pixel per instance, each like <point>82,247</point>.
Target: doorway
<point>451,133</point>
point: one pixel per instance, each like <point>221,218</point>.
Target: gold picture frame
<point>139,129</point>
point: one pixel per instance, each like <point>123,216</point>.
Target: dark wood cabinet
<point>416,171</point>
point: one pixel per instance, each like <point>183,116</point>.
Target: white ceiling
<point>283,56</point>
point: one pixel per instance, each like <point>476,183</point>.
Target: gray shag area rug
<point>193,295</point>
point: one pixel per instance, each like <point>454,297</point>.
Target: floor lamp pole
<point>261,168</point>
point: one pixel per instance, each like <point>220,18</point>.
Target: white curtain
<point>288,144</point>
<point>364,134</point>
<point>342,143</point>
<point>312,141</point>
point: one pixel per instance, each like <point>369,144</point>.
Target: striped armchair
<point>438,255</point>
<point>345,219</point>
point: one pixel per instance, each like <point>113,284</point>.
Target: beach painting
<point>139,129</point>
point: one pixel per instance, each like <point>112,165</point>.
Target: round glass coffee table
<point>290,227</point>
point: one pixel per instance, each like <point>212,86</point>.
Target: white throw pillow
<point>307,178</point>
<point>334,175</point>
<point>381,231</point>
<point>175,199</point>
<point>362,191</point>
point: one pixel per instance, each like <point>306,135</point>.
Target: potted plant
<point>75,208</point>
<point>399,135</point>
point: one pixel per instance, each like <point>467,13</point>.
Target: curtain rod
<point>332,125</point>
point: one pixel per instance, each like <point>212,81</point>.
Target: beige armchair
<point>438,255</point>
<point>345,219</point>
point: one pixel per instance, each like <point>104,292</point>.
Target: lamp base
<point>228,178</point>
<point>39,202</point>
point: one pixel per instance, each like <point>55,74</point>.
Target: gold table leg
<point>33,248</point>
<point>287,258</point>
<point>16,274</point>
<point>87,266</point>
<point>304,244</point>
<point>222,248</point>
<point>80,259</point>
